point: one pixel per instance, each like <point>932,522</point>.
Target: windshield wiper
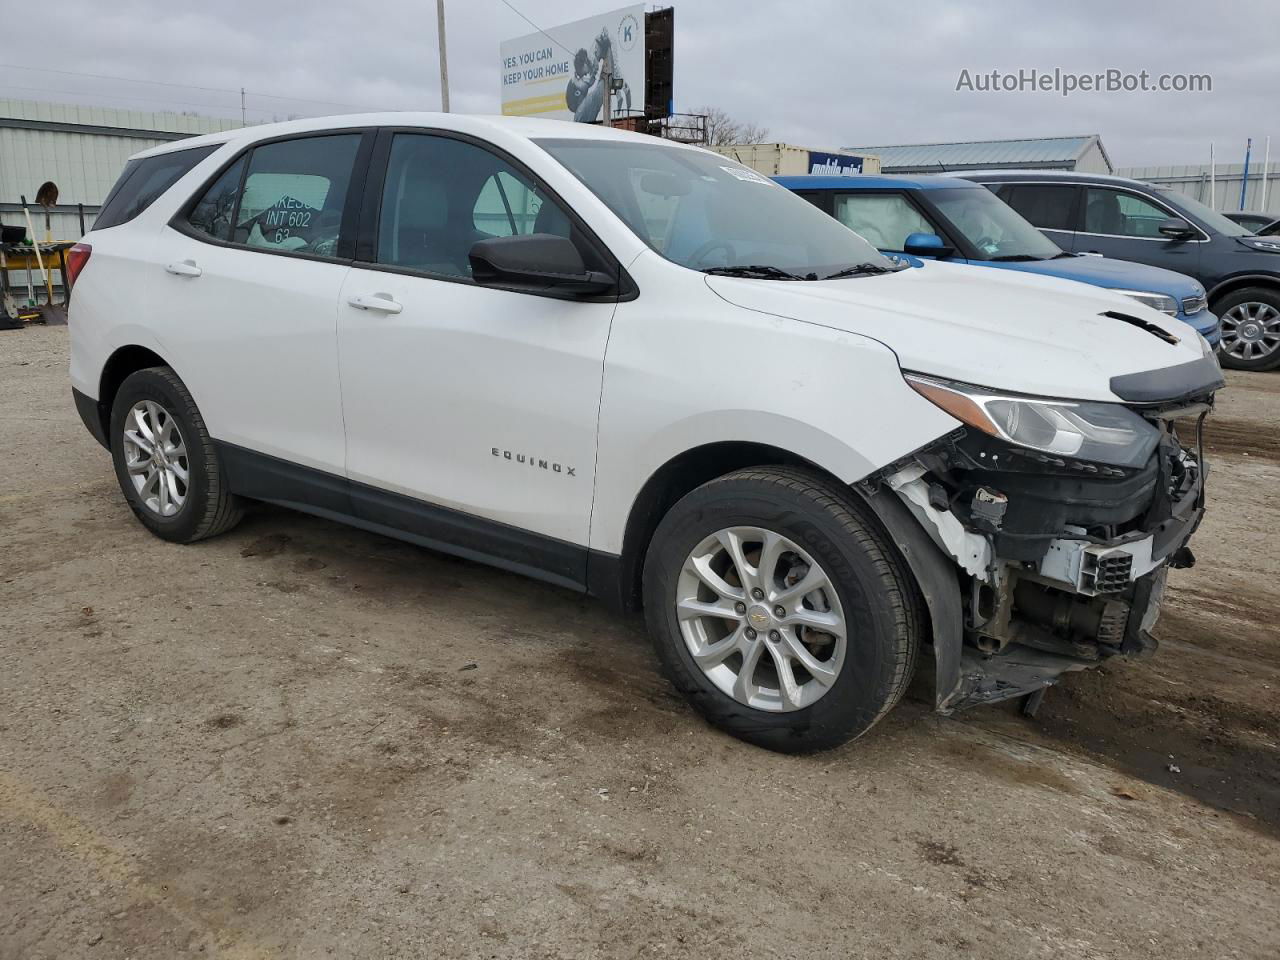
<point>860,270</point>
<point>758,271</point>
<point>1018,258</point>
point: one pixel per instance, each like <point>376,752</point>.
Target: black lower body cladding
<point>91,415</point>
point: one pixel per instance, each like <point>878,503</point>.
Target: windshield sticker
<point>743,173</point>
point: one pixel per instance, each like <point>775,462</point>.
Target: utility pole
<point>242,120</point>
<point>606,76</point>
<point>1213,183</point>
<point>444,60</point>
<point>1244,180</point>
<point>1266,175</point>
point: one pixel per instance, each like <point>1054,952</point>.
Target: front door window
<point>883,220</point>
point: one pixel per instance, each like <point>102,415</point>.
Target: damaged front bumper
<point>1053,566</point>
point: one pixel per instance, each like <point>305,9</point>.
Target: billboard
<point>556,74</point>
<point>834,164</point>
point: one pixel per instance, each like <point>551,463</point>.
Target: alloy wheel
<point>155,456</point>
<point>1251,330</point>
<point>761,619</point>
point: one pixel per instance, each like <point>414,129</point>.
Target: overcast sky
<point>821,74</point>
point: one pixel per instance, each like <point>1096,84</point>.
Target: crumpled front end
<point>1060,563</point>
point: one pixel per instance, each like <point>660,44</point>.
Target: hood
<point>1012,331</point>
<point>1105,272</point>
<point>1260,244</point>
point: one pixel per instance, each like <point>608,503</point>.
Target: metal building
<point>785,159</point>
<point>82,150</point>
<point>1084,154</point>
<point>1222,190</point>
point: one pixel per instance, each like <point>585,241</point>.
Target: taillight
<point>77,257</point>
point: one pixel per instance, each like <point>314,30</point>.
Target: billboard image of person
<point>585,93</point>
<point>572,58</point>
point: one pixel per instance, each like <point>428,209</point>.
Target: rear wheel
<point>779,610</point>
<point>1250,328</point>
<point>167,465</point>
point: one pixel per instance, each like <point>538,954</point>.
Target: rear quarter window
<point>1048,206</point>
<point>144,181</point>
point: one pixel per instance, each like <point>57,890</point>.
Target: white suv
<point>643,371</point>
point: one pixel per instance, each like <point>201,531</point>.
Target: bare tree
<point>753,133</point>
<point>722,129</point>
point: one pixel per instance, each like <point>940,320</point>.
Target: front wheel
<point>167,465</point>
<point>1250,329</point>
<point>777,607</point>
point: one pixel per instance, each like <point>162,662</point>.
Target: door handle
<point>381,302</point>
<point>184,268</point>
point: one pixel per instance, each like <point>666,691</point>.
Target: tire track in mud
<point>1179,721</point>
<point>1233,436</point>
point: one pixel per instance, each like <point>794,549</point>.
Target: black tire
<point>1268,295</point>
<point>881,603</point>
<point>210,508</point>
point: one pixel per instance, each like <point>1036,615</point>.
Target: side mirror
<point>926,245</point>
<point>1175,228</point>
<point>535,261</point>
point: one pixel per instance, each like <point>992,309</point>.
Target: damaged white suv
<point>643,371</point>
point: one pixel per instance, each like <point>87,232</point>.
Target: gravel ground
<point>300,740</point>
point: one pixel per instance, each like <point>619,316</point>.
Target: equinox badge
<point>534,461</point>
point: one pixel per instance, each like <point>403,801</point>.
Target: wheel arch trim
<point>936,576</point>
<point>122,360</point>
<point>615,576</point>
<point>1231,284</point>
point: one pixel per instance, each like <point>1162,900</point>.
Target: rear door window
<point>1048,206</point>
<point>294,195</point>
<point>144,181</point>
<point>817,197</point>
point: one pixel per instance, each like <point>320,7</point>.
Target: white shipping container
<point>785,159</point>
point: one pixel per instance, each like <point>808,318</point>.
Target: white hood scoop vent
<point>1151,328</point>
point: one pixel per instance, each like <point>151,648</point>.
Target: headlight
<point>1098,432</point>
<point>1156,301</point>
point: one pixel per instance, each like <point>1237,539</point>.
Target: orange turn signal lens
<point>963,408</point>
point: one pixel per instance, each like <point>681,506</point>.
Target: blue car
<point>963,222</point>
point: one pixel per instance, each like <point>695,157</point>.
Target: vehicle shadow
<point>1216,741</point>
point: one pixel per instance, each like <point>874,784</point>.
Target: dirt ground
<point>300,740</point>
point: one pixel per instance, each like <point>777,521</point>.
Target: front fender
<point>688,369</point>
<point>766,428</point>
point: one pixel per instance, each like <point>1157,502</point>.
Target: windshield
<point>1209,217</point>
<point>992,226</point>
<point>706,212</point>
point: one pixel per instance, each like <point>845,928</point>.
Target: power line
<point>538,28</point>
<point>182,86</point>
<point>113,96</point>
<point>103,76</point>
<point>174,106</point>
